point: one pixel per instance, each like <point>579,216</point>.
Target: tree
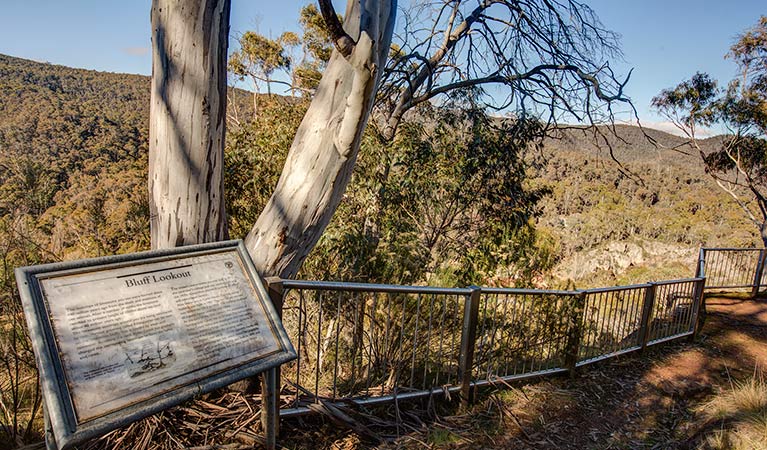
<point>739,166</point>
<point>187,120</point>
<point>542,58</point>
<point>317,46</point>
<point>550,55</point>
<point>259,57</point>
<point>434,205</point>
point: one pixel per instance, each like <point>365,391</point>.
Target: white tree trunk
<point>323,153</point>
<point>187,121</point>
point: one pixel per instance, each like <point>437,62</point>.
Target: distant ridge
<point>27,76</point>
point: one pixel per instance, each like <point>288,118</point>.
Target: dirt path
<point>653,402</point>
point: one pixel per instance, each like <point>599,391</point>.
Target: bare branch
<point>545,54</point>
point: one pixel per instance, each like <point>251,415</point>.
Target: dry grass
<point>20,398</point>
<point>227,420</point>
<point>740,414</point>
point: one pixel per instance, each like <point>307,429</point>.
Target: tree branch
<point>342,41</point>
<point>538,70</point>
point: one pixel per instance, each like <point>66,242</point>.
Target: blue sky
<point>664,41</point>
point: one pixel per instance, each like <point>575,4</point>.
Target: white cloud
<point>669,127</point>
<point>136,51</point>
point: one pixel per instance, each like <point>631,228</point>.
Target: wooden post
<point>758,274</point>
<point>645,326</point>
<point>270,380</point>
<point>468,343</point>
<point>574,333</point>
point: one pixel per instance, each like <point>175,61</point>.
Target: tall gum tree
<point>187,119</point>
<point>549,54</point>
<point>324,150</point>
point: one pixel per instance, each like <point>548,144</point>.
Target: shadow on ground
<point>637,401</point>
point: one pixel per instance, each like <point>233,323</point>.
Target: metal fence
<point>369,343</point>
<point>732,268</point>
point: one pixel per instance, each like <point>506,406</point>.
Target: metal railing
<point>732,268</point>
<point>369,343</point>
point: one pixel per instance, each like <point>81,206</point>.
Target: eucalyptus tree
<point>739,165</point>
<point>260,57</point>
<point>543,58</point>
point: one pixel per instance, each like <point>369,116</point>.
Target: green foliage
<point>259,57</point>
<point>253,159</point>
<point>662,205</point>
<point>73,160</point>
<point>444,197</point>
<point>695,98</point>
<point>317,39</point>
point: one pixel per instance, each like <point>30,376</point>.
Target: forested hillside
<point>73,147</point>
<point>640,218</point>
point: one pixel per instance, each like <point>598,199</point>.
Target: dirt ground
<point>652,401</point>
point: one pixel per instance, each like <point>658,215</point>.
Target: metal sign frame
<point>64,428</point>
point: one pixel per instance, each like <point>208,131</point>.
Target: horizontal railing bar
<point>303,410</point>
<point>730,249</point>
<point>607,356</point>
<point>514,291</point>
<point>616,288</point>
<point>679,281</point>
<point>517,377</point>
<point>738,286</point>
<point>369,287</point>
<point>669,338</point>
<point>391,288</point>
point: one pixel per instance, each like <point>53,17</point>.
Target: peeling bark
<point>187,121</point>
<point>324,151</point>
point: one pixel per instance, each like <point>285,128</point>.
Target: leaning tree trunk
<point>186,121</point>
<point>325,147</point>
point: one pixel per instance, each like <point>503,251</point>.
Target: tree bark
<point>323,153</point>
<point>187,121</point>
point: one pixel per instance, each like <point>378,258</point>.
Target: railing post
<point>646,325</point>
<point>575,333</point>
<point>697,305</point>
<point>270,408</point>
<point>468,343</point>
<point>700,272</point>
<point>270,380</point>
<point>758,273</point>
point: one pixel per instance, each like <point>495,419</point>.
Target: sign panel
<point>122,337</point>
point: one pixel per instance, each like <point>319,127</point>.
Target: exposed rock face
<point>617,257</point>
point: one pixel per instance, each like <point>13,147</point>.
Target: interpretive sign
<point>119,338</point>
